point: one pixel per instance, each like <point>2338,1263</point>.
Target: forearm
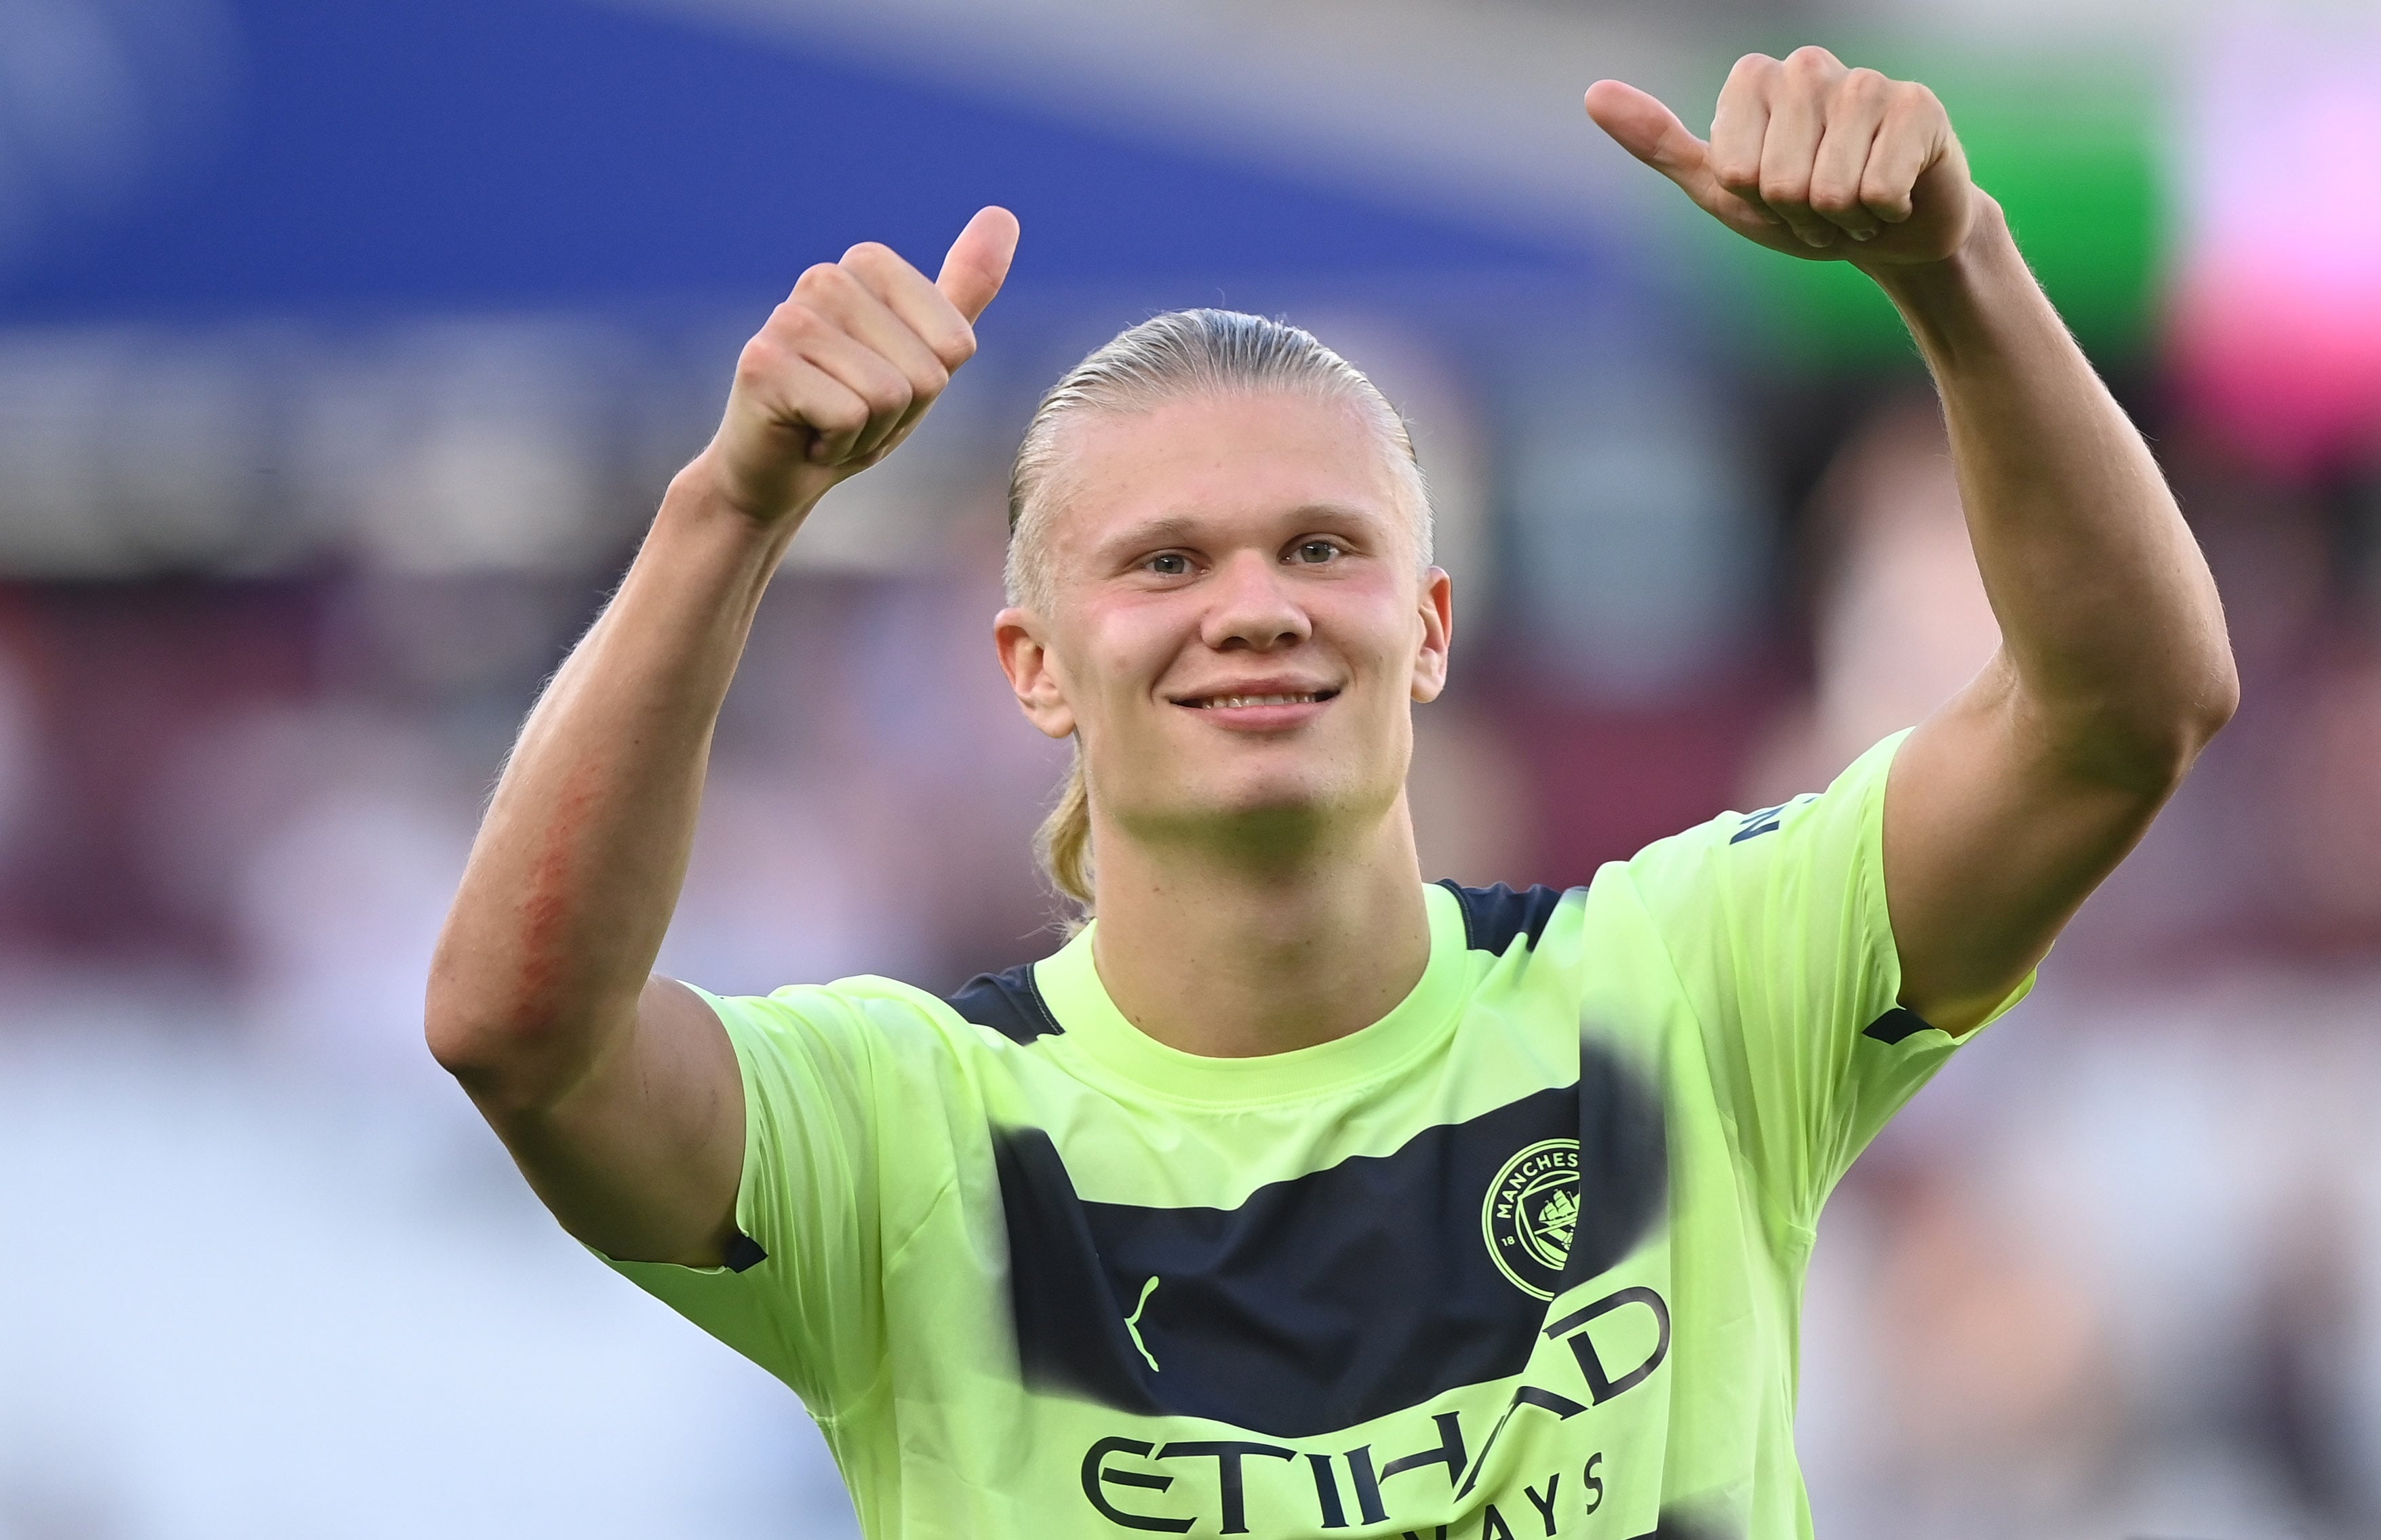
<point>2113,636</point>
<point>578,864</point>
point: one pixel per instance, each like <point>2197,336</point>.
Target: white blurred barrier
<point>238,1303</point>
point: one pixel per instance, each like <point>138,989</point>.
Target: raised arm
<point>616,1092</point>
<point>2016,797</point>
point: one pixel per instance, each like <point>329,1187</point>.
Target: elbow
<point>2144,743</point>
<point>497,1065</point>
<point>2205,711</point>
<point>2221,699</point>
<point>501,1061</point>
<point>520,1060</point>
<point>466,1043</point>
<point>2156,750</point>
<point>460,1025</point>
<point>2217,697</point>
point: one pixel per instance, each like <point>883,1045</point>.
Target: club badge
<point>1530,1212</point>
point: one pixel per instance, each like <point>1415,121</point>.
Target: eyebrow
<point>1177,529</point>
<point>1173,528</point>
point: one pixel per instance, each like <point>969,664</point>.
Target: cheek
<point>1126,651</point>
<point>1384,632</point>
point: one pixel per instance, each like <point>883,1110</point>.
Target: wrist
<point>705,492</point>
<point>701,504</point>
<point>1918,285</point>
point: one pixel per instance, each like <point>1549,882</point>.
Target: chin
<point>1291,802</point>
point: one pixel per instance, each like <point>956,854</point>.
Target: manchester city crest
<point>1529,1213</point>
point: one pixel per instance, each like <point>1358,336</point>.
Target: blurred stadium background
<point>344,350</point>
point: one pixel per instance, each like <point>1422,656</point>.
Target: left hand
<point>1813,159</point>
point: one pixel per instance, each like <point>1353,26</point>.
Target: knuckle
<point>759,361</point>
<point>1865,82</point>
<point>1738,176</point>
<point>1787,190</point>
<point>881,385</point>
<point>839,416</point>
<point>1753,65</point>
<point>868,254</point>
<point>799,322</point>
<point>1833,198</point>
<point>1883,199</point>
<point>823,282</point>
<point>956,349</point>
<point>1812,59</point>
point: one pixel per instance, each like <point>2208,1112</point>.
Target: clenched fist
<point>847,366</point>
<point>1811,158</point>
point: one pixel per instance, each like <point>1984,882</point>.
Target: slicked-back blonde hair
<point>1166,357</point>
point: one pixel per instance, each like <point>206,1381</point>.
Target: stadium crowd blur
<point>344,351</point>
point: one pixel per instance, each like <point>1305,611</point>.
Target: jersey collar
<point>1070,984</point>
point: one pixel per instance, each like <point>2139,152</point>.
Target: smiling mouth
<point>1300,698</point>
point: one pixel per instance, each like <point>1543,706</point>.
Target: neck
<point>1214,953</point>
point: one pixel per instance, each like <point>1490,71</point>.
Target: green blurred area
<point>2070,147</point>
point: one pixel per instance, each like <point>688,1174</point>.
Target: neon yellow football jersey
<point>1522,1259</point>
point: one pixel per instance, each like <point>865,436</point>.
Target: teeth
<point>1257,701</point>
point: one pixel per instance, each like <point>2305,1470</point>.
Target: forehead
<point>1219,464</point>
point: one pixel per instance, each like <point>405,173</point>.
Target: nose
<point>1251,608</point>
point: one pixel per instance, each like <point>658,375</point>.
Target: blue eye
<point>1316,552</point>
<point>1171,564</point>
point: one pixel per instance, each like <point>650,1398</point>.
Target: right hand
<point>1804,152</point>
<point>848,365</point>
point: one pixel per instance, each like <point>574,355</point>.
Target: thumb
<point>978,262</point>
<point>1651,132</point>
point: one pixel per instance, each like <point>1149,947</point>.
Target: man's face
<point>1238,619</point>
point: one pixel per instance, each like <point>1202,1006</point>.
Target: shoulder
<point>1498,917</point>
<point>1008,1003</point>
<point>868,1016</point>
<point>1539,937</point>
<point>1837,827</point>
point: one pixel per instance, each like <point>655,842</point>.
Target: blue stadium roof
<point>468,153</point>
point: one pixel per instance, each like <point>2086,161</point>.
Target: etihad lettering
<point>1096,1477</point>
<point>1326,1492</point>
<point>1227,1455</point>
<point>1602,1386</point>
<point>1619,1341</point>
<point>1549,1500</point>
<point>1562,1406</point>
<point>1449,1453</point>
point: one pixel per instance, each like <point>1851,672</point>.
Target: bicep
<point>1992,841</point>
<point>641,1160</point>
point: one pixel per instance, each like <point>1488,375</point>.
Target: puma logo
<point>1133,1322</point>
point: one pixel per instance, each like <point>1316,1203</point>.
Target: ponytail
<point>1064,843</point>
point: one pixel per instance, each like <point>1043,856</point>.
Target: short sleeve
<point>1777,924</point>
<point>802,1293</point>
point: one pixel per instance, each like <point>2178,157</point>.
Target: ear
<point>1025,658</point>
<point>1438,610</point>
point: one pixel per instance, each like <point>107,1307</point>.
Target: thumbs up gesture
<point>848,365</point>
<point>1811,158</point>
